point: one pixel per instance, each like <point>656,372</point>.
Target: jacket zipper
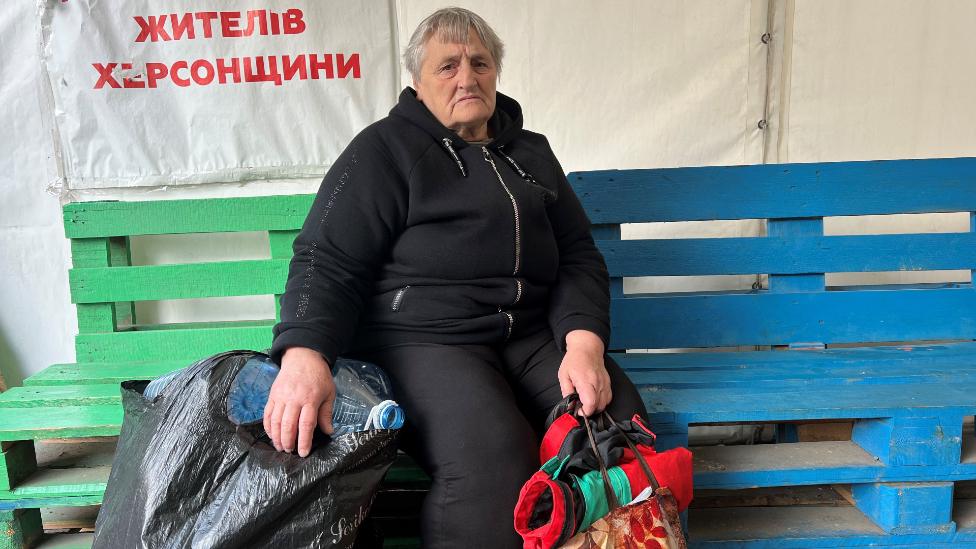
<point>511,323</point>
<point>518,241</point>
<point>518,228</point>
<point>398,298</point>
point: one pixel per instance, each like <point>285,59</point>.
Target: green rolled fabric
<point>591,486</point>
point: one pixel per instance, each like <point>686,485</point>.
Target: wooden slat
<point>67,541</point>
<point>762,378</point>
<point>877,359</point>
<point>62,501</point>
<point>195,280</point>
<point>778,190</point>
<point>95,317</point>
<point>742,404</point>
<point>102,372</point>
<point>280,243</point>
<point>766,497</point>
<point>121,256</point>
<point>791,229</point>
<point>60,518</point>
<point>610,234</point>
<point>76,452</point>
<point>798,526</point>
<point>806,526</point>
<point>54,484</point>
<point>764,318</point>
<point>800,255</point>
<point>807,463</point>
<point>64,395</point>
<point>90,252</point>
<point>816,370</point>
<point>62,422</point>
<point>17,461</point>
<point>211,215</point>
<point>174,343</point>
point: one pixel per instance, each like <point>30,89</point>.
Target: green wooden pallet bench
<point>67,401</point>
<point>901,479</point>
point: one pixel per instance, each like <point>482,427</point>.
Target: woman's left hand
<point>582,371</point>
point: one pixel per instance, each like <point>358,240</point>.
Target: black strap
<point>607,487</point>
<point>655,486</point>
<point>647,469</point>
<point>574,406</point>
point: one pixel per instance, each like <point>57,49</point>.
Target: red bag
<point>588,473</point>
<point>652,521</point>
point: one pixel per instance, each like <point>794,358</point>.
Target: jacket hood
<point>504,124</point>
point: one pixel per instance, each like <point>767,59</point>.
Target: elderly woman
<point>446,246</point>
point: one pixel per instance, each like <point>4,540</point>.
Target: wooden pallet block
<point>907,445</point>
<point>67,479</point>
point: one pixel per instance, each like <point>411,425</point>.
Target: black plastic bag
<point>185,476</point>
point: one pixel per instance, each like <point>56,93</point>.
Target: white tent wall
<point>879,80</point>
<point>37,322</point>
<point>615,84</point>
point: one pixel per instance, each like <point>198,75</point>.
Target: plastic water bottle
<point>248,393</point>
<point>157,385</point>
<point>363,398</point>
<point>363,395</point>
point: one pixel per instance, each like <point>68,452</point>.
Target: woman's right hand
<point>301,396</point>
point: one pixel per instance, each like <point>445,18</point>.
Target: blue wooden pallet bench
<point>899,479</point>
<point>907,399</point>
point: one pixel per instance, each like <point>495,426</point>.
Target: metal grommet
<point>762,124</point>
<point>766,38</point>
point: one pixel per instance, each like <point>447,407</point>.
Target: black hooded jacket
<point>418,236</point>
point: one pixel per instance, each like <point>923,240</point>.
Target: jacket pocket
<point>548,196</point>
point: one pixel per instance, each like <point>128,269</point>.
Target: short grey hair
<point>450,25</point>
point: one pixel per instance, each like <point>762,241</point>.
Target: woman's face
<point>457,85</point>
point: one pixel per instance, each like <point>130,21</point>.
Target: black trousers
<point>475,416</point>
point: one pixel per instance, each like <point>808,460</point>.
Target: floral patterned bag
<point>651,521</point>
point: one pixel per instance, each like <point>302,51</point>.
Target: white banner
<point>186,91</point>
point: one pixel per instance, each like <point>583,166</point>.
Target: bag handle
<point>612,500</point>
<point>655,486</point>
<point>608,488</point>
<point>640,458</point>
